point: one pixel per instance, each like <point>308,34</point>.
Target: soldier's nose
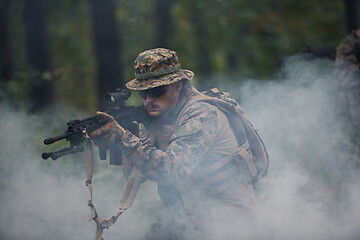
<point>149,99</point>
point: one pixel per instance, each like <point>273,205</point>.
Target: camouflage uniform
<point>348,75</point>
<point>177,148</point>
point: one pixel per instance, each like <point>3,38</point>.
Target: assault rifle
<point>75,133</point>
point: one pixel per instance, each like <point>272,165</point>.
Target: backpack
<point>259,162</point>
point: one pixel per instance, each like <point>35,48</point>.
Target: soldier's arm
<point>187,146</point>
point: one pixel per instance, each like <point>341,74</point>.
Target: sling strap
<point>128,196</point>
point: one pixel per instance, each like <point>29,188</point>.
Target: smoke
<point>311,191</point>
<point>312,187</point>
<point>48,199</point>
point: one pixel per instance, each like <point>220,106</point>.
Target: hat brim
<point>167,79</point>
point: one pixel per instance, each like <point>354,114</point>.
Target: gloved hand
<point>105,135</point>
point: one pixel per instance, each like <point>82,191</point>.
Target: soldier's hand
<point>104,135</point>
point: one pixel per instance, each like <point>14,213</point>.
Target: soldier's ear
<point>178,85</point>
<point>181,84</point>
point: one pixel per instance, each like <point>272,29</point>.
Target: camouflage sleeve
<point>129,152</point>
<point>187,146</point>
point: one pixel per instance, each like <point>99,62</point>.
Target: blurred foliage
<point>247,39</point>
<point>73,64</point>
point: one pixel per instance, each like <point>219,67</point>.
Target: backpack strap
<point>240,123</point>
<point>235,168</point>
<point>231,111</point>
<point>238,166</point>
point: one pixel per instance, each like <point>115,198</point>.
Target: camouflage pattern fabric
<point>157,67</point>
<point>173,151</point>
<point>348,75</point>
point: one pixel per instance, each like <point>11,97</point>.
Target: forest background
<point>51,51</point>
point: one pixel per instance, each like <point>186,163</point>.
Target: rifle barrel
<point>55,139</point>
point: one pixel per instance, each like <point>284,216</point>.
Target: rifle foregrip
<point>52,155</point>
<point>62,152</point>
<point>45,155</point>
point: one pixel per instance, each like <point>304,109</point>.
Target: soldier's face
<point>156,106</point>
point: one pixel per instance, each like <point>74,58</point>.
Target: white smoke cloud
<point>48,199</point>
<point>311,191</point>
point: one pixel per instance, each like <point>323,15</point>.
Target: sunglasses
<point>152,92</point>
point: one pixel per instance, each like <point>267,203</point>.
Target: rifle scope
<point>117,96</point>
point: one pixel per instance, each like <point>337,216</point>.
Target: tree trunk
<point>201,36</point>
<point>232,61</point>
<point>6,60</point>
<point>38,53</point>
<point>107,47</point>
<point>163,22</point>
<point>351,15</point>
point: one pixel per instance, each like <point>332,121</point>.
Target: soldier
<point>188,149</point>
<point>348,75</point>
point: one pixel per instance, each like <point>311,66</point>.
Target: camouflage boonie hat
<point>157,67</point>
